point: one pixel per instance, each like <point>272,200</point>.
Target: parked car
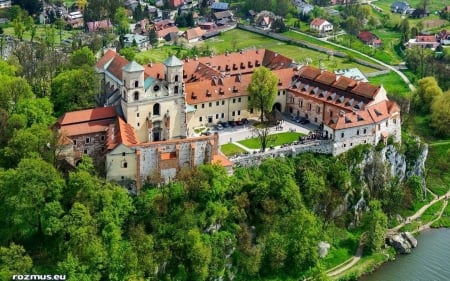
<point>232,123</point>
<point>225,124</point>
<point>304,121</point>
<point>298,119</point>
<point>205,133</point>
<point>219,127</point>
<point>239,123</point>
<point>245,121</point>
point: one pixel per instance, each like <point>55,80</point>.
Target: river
<point>430,261</point>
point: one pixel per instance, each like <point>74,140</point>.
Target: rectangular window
<point>387,123</point>
<point>210,104</point>
<point>342,135</point>
<point>222,115</point>
<point>233,113</point>
<point>239,99</point>
<point>318,109</point>
<point>278,94</point>
<point>251,110</point>
<point>200,119</point>
<point>102,138</point>
<point>74,142</point>
<point>85,151</point>
<point>310,106</point>
<point>223,102</point>
<point>203,105</point>
<point>239,112</point>
<point>87,140</point>
<point>124,164</point>
<point>195,106</point>
<point>217,103</point>
<point>365,131</point>
<point>217,116</point>
<point>234,100</point>
<point>137,114</point>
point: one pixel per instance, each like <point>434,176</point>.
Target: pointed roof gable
<point>173,61</point>
<point>133,67</point>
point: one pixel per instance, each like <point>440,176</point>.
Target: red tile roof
<point>318,22</point>
<point>87,115</point>
<point>163,32</point>
<point>221,160</point>
<point>194,33</point>
<point>426,38</point>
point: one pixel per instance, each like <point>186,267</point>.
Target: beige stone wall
<point>121,164</point>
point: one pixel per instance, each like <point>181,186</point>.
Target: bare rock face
<point>323,249</point>
<point>402,242</point>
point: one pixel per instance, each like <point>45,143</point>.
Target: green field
<point>41,32</point>
<point>393,83</point>
<point>279,139</point>
<point>239,39</point>
<point>231,149</point>
<point>343,246</point>
<point>444,221</point>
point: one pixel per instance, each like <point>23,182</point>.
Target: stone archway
<point>277,107</point>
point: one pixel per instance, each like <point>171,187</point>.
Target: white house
<point>321,26</point>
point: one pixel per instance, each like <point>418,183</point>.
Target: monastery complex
<point>144,130</point>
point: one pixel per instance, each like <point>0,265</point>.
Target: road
<point>390,67</point>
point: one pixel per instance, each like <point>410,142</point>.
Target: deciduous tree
<point>262,91</point>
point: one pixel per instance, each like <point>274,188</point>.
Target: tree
<point>32,194</point>
<point>82,4</point>
<point>440,114</point>
<point>74,89</point>
<point>28,142</point>
<point>128,53</point>
<point>31,6</point>
<point>153,38</point>
<point>122,21</point>
<point>262,90</point>
<point>405,30</point>
<point>80,57</point>
<point>14,260</point>
<point>427,90</point>
<point>376,226</point>
<point>36,111</point>
<point>264,137</point>
<point>19,27</point>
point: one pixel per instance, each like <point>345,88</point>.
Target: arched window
<point>136,84</point>
<point>176,78</point>
<point>156,109</point>
<point>136,95</point>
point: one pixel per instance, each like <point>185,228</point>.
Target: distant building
<point>102,25</point>
<point>352,73</point>
<point>369,38</point>
<point>424,41</point>
<point>4,4</point>
<point>400,7</point>
<point>141,41</point>
<point>321,26</point>
<point>219,7</point>
<point>194,34</point>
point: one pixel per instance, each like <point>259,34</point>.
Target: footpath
<point>353,260</point>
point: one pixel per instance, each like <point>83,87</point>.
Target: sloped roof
<point>219,6</point>
<point>133,67</point>
<point>87,115</point>
<point>173,61</point>
<point>319,22</point>
<point>193,33</point>
<point>218,159</point>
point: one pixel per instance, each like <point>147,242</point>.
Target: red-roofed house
<point>320,26</point>
<point>369,38</point>
<point>424,41</point>
<point>194,34</point>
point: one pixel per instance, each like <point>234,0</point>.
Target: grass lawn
<point>432,212</point>
<point>40,33</point>
<point>393,83</point>
<point>240,39</point>
<point>279,139</point>
<point>343,246</point>
<point>438,167</point>
<point>415,207</point>
<point>230,149</point>
<point>365,265</point>
<point>444,221</point>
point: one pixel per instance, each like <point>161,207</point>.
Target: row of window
<point>218,103</point>
<point>87,140</point>
<point>220,116</point>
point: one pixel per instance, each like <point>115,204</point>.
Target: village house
<point>400,7</point>
<point>321,26</point>
<point>140,41</point>
<point>165,29</point>
<point>194,34</point>
<point>4,4</point>
<point>369,38</point>
<point>219,7</point>
<point>102,25</point>
<point>223,17</point>
<point>424,41</point>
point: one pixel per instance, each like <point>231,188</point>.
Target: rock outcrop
<point>323,249</point>
<point>402,242</point>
